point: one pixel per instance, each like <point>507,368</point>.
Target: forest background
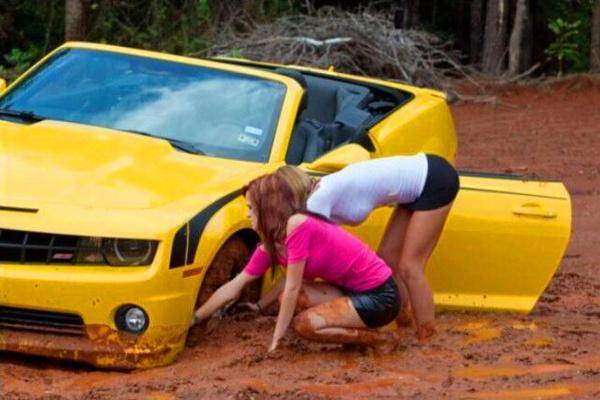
<point>496,38</point>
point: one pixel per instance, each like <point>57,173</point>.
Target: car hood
<point>59,163</point>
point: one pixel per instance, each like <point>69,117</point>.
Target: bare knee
<point>302,324</point>
<point>410,271</point>
<point>308,322</point>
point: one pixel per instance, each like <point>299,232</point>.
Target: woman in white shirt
<point>422,188</point>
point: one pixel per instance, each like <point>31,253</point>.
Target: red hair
<point>273,202</point>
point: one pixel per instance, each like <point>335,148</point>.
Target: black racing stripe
<point>196,226</point>
<point>178,250</point>
<point>512,193</point>
<point>18,209</point>
<point>198,223</point>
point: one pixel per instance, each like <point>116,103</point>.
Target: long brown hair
<point>273,202</point>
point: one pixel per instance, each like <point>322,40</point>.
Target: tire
<point>229,261</point>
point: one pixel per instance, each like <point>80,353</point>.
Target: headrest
<point>296,75</point>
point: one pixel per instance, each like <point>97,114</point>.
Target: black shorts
<point>378,306</point>
<point>441,185</point>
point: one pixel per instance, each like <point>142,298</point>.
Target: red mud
<point>551,353</point>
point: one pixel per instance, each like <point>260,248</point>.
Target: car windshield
<point>210,111</point>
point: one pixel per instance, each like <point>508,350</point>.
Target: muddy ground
<point>552,353</point>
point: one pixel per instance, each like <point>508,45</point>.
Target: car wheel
<point>229,261</point>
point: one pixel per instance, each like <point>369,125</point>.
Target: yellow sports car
<point>120,193</point>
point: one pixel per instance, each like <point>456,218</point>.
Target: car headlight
<point>116,252</point>
<point>131,318</point>
<point>128,251</point>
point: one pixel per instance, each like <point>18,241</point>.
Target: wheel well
<point>250,238</point>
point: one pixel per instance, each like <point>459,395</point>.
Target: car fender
<point>198,241</point>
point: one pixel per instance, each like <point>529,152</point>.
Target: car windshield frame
<point>239,120</point>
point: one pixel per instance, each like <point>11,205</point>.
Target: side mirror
<point>338,158</point>
<point>2,85</point>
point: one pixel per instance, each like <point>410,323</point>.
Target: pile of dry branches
<point>362,43</point>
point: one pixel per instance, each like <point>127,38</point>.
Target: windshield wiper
<point>178,144</point>
<point>185,146</point>
<point>24,115</point>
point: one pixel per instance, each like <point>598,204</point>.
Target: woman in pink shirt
<point>357,293</point>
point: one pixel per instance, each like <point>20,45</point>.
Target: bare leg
<point>422,235</point>
<point>337,321</point>
<point>314,293</point>
<point>389,249</point>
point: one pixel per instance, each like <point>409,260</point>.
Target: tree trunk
<point>407,14</point>
<point>521,40</point>
<point>496,32</point>
<point>74,19</point>
<point>415,19</point>
<point>595,51</point>
<point>461,25</point>
<point>476,31</point>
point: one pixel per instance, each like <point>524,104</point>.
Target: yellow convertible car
<point>120,193</point>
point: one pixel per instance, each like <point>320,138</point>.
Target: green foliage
<point>570,25</point>
<point>234,53</point>
<point>19,59</point>
<point>568,46</point>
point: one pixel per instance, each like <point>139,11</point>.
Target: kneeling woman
<point>357,292</point>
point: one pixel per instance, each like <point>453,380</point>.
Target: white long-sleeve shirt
<point>349,195</point>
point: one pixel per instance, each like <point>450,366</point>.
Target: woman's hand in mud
<point>274,345</point>
<point>195,321</point>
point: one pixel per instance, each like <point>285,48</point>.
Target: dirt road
<point>552,353</point>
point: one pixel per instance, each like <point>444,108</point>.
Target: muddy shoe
<point>425,331</point>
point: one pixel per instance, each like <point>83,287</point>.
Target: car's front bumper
<point>102,346</point>
<point>92,296</point>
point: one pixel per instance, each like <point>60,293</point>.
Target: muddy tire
<point>229,261</point>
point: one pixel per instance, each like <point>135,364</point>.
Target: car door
<point>502,242</point>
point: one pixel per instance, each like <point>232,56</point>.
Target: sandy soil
<point>551,353</point>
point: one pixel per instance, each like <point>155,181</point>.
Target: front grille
<point>42,248</point>
<point>46,321</point>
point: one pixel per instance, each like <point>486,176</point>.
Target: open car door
<point>501,245</point>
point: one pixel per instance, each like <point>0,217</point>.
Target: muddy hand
<point>274,345</point>
<point>425,331</point>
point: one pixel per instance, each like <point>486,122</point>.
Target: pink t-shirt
<point>331,254</point>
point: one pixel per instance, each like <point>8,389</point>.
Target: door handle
<point>534,210</point>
